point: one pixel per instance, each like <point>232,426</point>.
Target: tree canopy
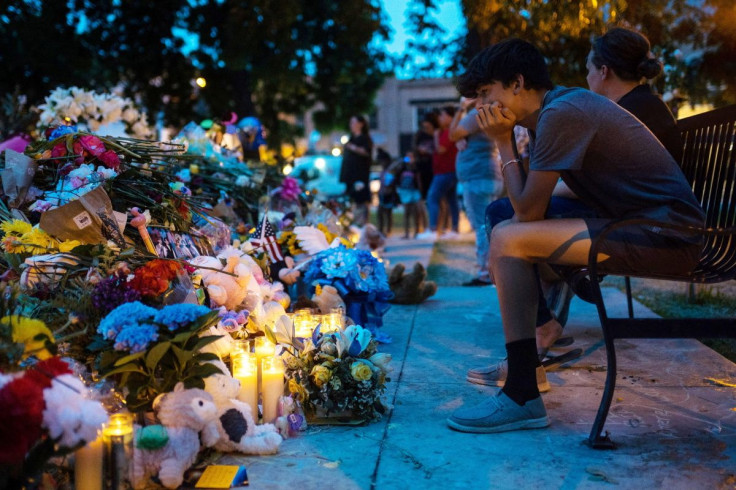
<point>695,40</point>
<point>262,58</point>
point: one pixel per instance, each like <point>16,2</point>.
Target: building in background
<point>400,106</point>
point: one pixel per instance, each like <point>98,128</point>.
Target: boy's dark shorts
<point>638,250</point>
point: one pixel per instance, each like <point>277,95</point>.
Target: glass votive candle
<point>88,463</point>
<point>245,370</point>
<point>273,386</point>
<point>117,439</point>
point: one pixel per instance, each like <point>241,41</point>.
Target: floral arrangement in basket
<point>360,280</point>
<point>339,372</point>
<point>93,109</point>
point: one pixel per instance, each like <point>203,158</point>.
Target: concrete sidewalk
<point>674,428</point>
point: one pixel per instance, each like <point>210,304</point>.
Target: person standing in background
<point>478,170</point>
<point>444,180</point>
<point>423,151</point>
<point>355,170</point>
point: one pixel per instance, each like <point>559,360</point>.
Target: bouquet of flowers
<point>361,281</point>
<point>47,410</point>
<point>93,109</point>
<point>339,372</point>
<point>151,350</point>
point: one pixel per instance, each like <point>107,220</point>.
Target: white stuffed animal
<point>234,428</point>
<point>183,413</point>
<point>224,289</point>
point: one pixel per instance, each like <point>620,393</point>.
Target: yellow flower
<point>297,390</point>
<point>68,245</point>
<point>321,375</point>
<point>26,330</point>
<point>15,227</point>
<point>361,371</point>
<point>37,238</point>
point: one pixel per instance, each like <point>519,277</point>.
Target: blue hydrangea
<point>125,316</point>
<point>359,269</point>
<point>179,315</point>
<point>135,338</point>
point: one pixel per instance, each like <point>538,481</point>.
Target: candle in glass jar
<point>88,466</point>
<point>262,348</point>
<point>117,438</point>
<point>273,386</point>
<point>245,370</point>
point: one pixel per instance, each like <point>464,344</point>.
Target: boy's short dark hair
<point>502,62</point>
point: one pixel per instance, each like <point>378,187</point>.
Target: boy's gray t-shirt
<point>478,159</point>
<point>610,160</point>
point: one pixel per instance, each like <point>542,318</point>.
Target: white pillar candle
<point>88,466</point>
<point>245,370</point>
<point>263,348</point>
<point>273,386</point>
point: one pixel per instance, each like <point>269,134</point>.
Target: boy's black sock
<point>521,383</point>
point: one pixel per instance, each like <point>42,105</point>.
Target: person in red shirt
<point>444,182</point>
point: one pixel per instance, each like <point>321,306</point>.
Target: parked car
<point>322,173</point>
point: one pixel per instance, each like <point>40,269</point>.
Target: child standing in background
<point>387,197</point>
<point>408,190</point>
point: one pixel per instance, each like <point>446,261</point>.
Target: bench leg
<point>629,301</point>
<point>596,439</point>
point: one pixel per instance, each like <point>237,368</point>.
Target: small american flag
<point>264,237</point>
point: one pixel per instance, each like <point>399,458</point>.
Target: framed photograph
<point>175,245</point>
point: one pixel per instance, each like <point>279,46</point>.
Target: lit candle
<point>273,386</point>
<point>263,348</point>
<point>303,323</point>
<point>88,466</point>
<point>117,437</point>
<point>245,370</point>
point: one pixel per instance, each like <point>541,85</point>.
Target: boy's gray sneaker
<point>498,414</point>
<point>495,375</point>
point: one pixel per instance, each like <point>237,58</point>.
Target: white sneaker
<point>450,235</point>
<point>427,235</point>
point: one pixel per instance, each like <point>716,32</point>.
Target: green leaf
<point>204,370</point>
<point>206,356</point>
<point>206,340</point>
<point>156,353</point>
<point>128,368</point>
<point>182,356</point>
<point>129,358</point>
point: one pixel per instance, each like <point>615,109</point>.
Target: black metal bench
<point>709,163</point>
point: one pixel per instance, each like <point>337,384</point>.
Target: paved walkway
<point>675,429</point>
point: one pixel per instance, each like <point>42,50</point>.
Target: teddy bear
<point>234,429</point>
<point>226,285</point>
<point>327,298</point>
<point>169,449</point>
<point>410,288</point>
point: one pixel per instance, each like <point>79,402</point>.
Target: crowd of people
<point>535,214</point>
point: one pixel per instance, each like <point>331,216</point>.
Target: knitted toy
<point>234,428</point>
<point>410,288</point>
<point>169,449</point>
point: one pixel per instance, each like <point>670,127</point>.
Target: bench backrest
<point>709,163</point>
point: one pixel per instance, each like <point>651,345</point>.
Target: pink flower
<point>92,144</point>
<point>58,151</point>
<point>110,159</point>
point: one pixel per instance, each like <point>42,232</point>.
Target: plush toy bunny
<point>234,428</point>
<point>183,413</point>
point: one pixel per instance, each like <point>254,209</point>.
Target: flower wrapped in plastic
<point>339,372</point>
<point>361,281</point>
